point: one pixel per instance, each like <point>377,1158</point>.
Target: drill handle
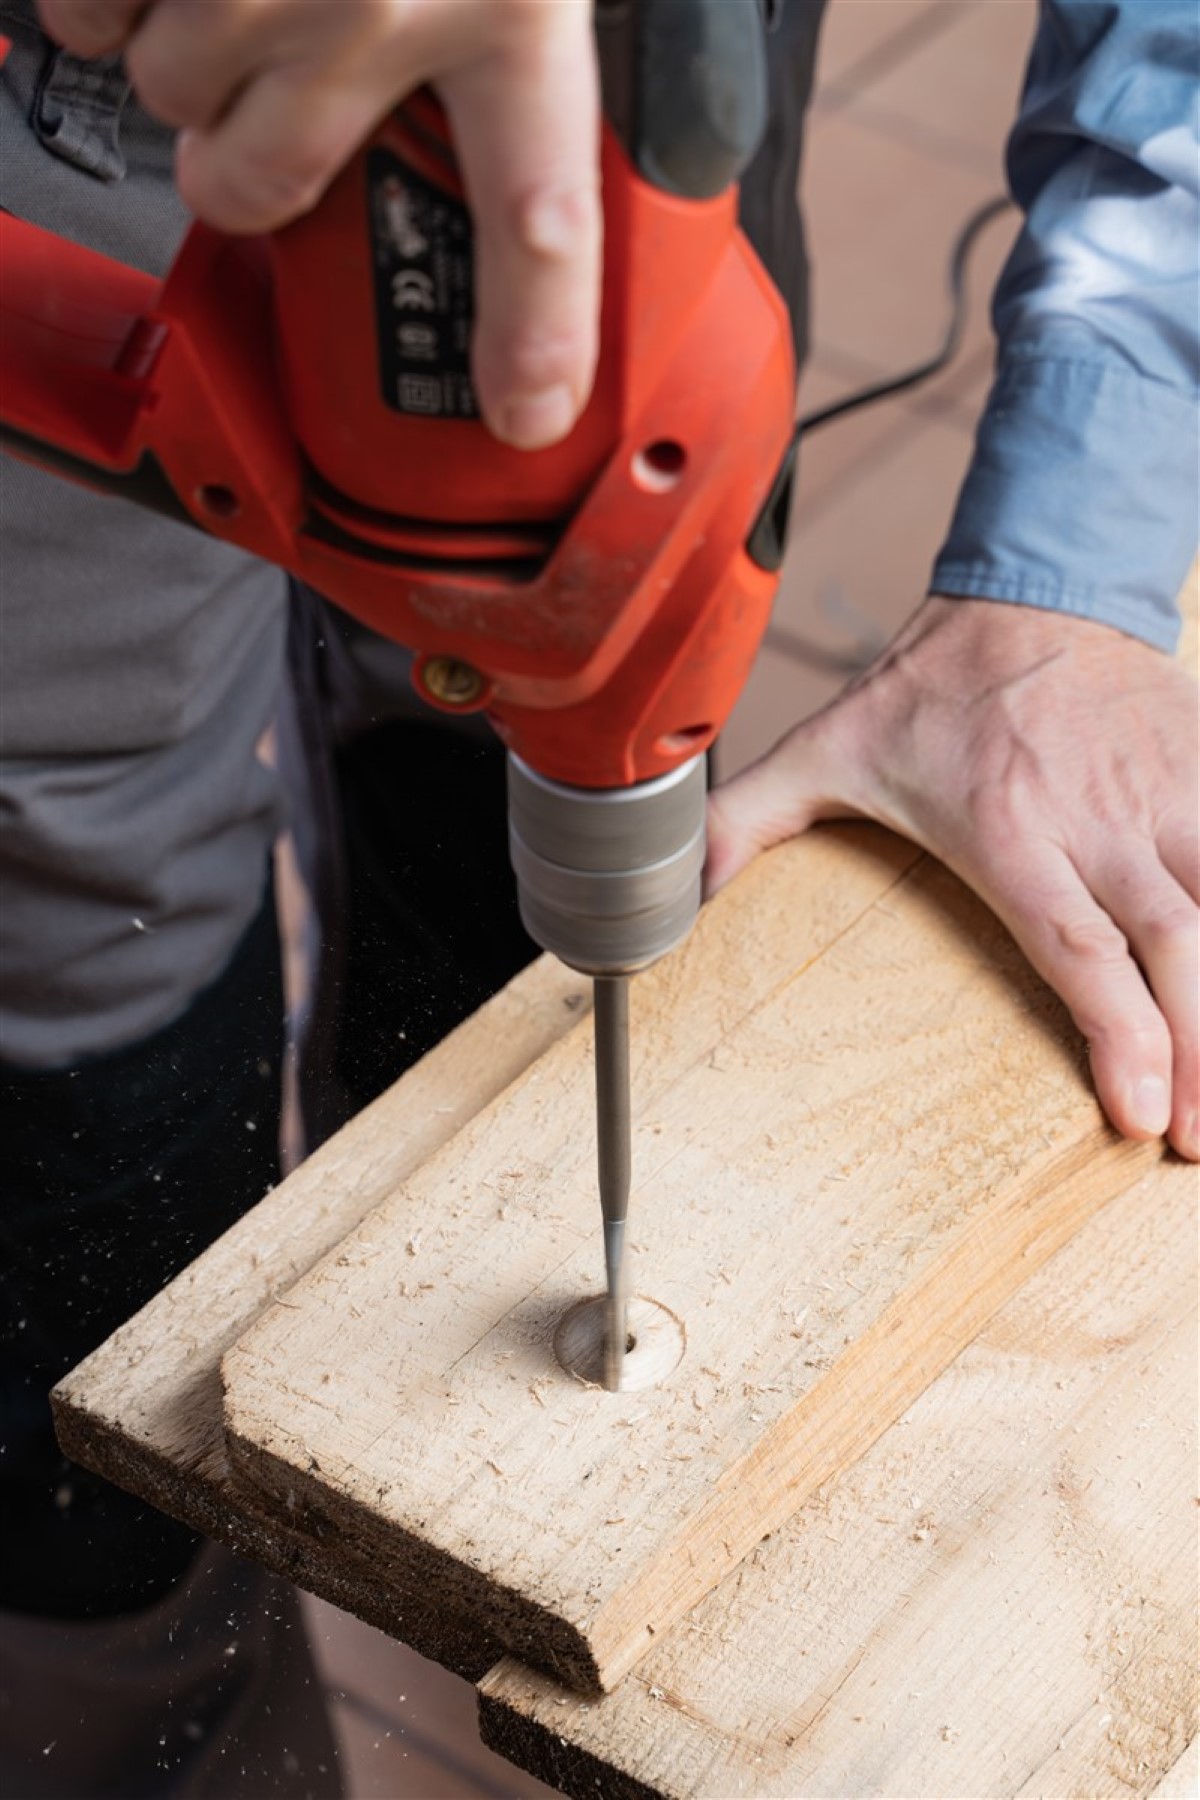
<point>685,88</point>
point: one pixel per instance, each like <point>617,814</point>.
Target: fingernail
<point>1152,1105</point>
<point>537,419</point>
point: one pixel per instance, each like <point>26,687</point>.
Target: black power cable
<point>793,643</point>
<point>956,278</point>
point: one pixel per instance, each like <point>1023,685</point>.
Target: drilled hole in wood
<point>653,1348</point>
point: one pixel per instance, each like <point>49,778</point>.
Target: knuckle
<point>287,192</point>
<point>538,32</point>
<point>378,22</point>
<point>500,28</point>
<point>559,224</point>
<point>1003,799</point>
<point>264,191</point>
<point>1169,928</point>
<point>523,17</point>
<point>163,87</point>
<point>527,360</point>
<point>1128,1030</point>
<point>1096,942</point>
<point>92,27</point>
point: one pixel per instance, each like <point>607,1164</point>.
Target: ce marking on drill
<point>424,292</point>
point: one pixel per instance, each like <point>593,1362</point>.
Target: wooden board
<point>998,1599</point>
<point>845,1162</point>
<point>145,1409</point>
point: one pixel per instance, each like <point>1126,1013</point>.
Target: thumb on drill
<point>778,797</point>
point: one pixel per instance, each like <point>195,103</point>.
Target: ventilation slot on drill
<point>514,552</point>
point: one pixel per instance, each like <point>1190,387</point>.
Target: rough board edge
<point>558,1761</point>
<point>222,1511</point>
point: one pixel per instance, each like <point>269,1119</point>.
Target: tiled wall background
<point>914,98</point>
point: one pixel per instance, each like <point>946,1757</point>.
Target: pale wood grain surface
<point>998,1599</point>
<point>842,1169</point>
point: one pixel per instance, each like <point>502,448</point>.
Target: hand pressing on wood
<point>1051,763</point>
<point>273,96</point>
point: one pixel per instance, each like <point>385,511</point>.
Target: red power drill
<point>308,396</point>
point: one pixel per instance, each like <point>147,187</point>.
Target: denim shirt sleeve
<point>1082,493</point>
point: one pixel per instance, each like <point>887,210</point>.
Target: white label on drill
<point>424,291</point>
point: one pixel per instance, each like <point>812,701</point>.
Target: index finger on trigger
<point>526,129</point>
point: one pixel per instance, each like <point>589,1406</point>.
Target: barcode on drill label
<point>424,292</point>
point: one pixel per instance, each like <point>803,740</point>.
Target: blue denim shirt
<point>1083,492</point>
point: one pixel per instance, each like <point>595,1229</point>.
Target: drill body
<point>308,397</point>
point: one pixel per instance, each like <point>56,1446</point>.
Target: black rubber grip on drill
<point>685,88</point>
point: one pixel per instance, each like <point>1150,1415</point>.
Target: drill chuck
<point>608,879</point>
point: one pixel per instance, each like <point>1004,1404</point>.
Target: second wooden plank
<point>998,1600</point>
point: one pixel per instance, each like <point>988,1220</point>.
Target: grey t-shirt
<point>140,662</point>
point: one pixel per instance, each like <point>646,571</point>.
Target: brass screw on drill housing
<point>452,682</point>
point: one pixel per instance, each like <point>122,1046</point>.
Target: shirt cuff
<point>1081,497</point>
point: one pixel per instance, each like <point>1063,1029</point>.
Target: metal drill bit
<point>613,1156</point>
